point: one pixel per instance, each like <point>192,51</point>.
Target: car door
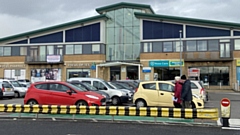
<point>165,94</point>
<point>59,96</point>
<point>43,94</point>
<point>150,94</point>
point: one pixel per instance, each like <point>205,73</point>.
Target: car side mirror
<point>105,88</point>
<point>69,92</point>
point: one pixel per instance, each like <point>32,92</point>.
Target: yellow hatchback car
<point>159,93</point>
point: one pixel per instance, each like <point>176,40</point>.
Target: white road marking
<point>53,119</point>
<point>94,120</point>
<point>231,128</point>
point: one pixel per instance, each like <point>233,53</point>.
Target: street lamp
<point>180,32</point>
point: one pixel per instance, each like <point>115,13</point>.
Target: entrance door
<point>34,54</point>
<point>115,73</point>
<point>224,50</point>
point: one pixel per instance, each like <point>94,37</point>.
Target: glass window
<point>7,51</point>
<point>151,86</point>
<point>58,87</point>
<point>69,49</point>
<point>191,46</point>
<point>176,46</point>
<point>157,47</point>
<point>167,46</point>
<point>89,82</point>
<point>87,49</point>
<point>96,49</point>
<point>78,49</point>
<point>23,50</point>
<point>147,47</point>
<point>1,51</point>
<point>98,85</point>
<point>202,45</point>
<point>166,87</point>
<point>60,50</point>
<point>15,50</point>
<point>193,86</point>
<point>213,45</point>
<point>128,16</point>
<point>42,86</point>
<point>50,50</point>
<point>237,44</point>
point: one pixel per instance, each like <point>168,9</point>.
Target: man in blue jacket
<point>186,94</point>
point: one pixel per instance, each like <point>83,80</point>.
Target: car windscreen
<point>90,86</point>
<point>109,86</point>
<point>80,86</point>
<point>76,88</point>
<point>125,85</point>
<point>117,85</point>
<point>15,83</point>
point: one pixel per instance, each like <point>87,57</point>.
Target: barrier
<point>113,110</point>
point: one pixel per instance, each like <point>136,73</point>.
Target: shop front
<point>165,69</point>
<point>238,71</point>
<point>13,71</point>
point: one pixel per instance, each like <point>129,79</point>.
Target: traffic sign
<point>225,102</point>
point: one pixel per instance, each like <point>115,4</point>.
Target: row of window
<point>52,49</point>
<point>187,46</point>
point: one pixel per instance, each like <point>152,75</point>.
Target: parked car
<point>24,82</point>
<point>118,96</point>
<point>89,87</point>
<point>131,83</point>
<point>198,89</point>
<point>61,93</point>
<point>159,93</point>
<point>119,87</point>
<point>6,90</point>
<point>19,90</point>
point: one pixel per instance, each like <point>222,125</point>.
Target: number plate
<point>8,89</point>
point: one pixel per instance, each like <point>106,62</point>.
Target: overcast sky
<point>18,16</point>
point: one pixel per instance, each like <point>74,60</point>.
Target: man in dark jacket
<point>186,94</point>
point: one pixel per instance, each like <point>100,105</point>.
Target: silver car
<point>6,90</point>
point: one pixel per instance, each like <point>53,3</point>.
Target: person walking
<point>186,94</point>
<point>177,93</point>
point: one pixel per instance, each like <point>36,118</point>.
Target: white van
<point>19,91</point>
<point>117,96</point>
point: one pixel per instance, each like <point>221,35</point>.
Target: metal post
<point>180,31</point>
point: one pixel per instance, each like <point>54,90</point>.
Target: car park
<point>159,93</point>
<point>6,90</point>
<point>89,87</point>
<point>19,90</point>
<point>61,93</point>
<point>118,96</point>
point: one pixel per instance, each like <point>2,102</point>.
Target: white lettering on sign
<point>12,66</point>
<point>225,102</point>
<point>79,65</point>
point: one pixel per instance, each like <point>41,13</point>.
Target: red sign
<point>225,102</point>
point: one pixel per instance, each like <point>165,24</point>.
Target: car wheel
<point>16,94</point>
<point>115,101</point>
<point>141,103</point>
<point>81,103</point>
<point>32,102</point>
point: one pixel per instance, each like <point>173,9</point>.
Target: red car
<point>61,93</point>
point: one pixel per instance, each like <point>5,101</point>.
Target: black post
<point>225,122</point>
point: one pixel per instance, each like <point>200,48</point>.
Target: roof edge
<point>186,19</point>
<point>25,34</point>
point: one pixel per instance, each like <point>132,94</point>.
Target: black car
<point>89,87</point>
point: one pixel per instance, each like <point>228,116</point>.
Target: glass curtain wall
<point>122,35</point>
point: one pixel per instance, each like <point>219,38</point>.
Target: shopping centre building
<point>126,40</point>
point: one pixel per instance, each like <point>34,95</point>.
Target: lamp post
<point>180,32</point>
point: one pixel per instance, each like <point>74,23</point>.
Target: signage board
<point>165,63</point>
<point>238,62</point>
<point>146,70</point>
<point>225,108</point>
<point>53,58</point>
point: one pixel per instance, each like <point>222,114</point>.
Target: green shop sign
<point>165,63</point>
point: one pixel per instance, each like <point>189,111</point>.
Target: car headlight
<point>91,96</point>
<point>196,96</point>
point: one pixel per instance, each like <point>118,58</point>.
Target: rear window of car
<point>200,84</point>
<point>42,86</point>
<point>7,85</point>
<point>193,86</point>
<point>151,86</point>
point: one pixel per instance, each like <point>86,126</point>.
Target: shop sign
<point>53,58</point>
<point>79,65</point>
<point>159,63</point>
<point>93,66</point>
<point>12,65</point>
<point>238,63</point>
<point>166,63</point>
<point>146,70</point>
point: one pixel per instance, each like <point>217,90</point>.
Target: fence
<point>113,111</point>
